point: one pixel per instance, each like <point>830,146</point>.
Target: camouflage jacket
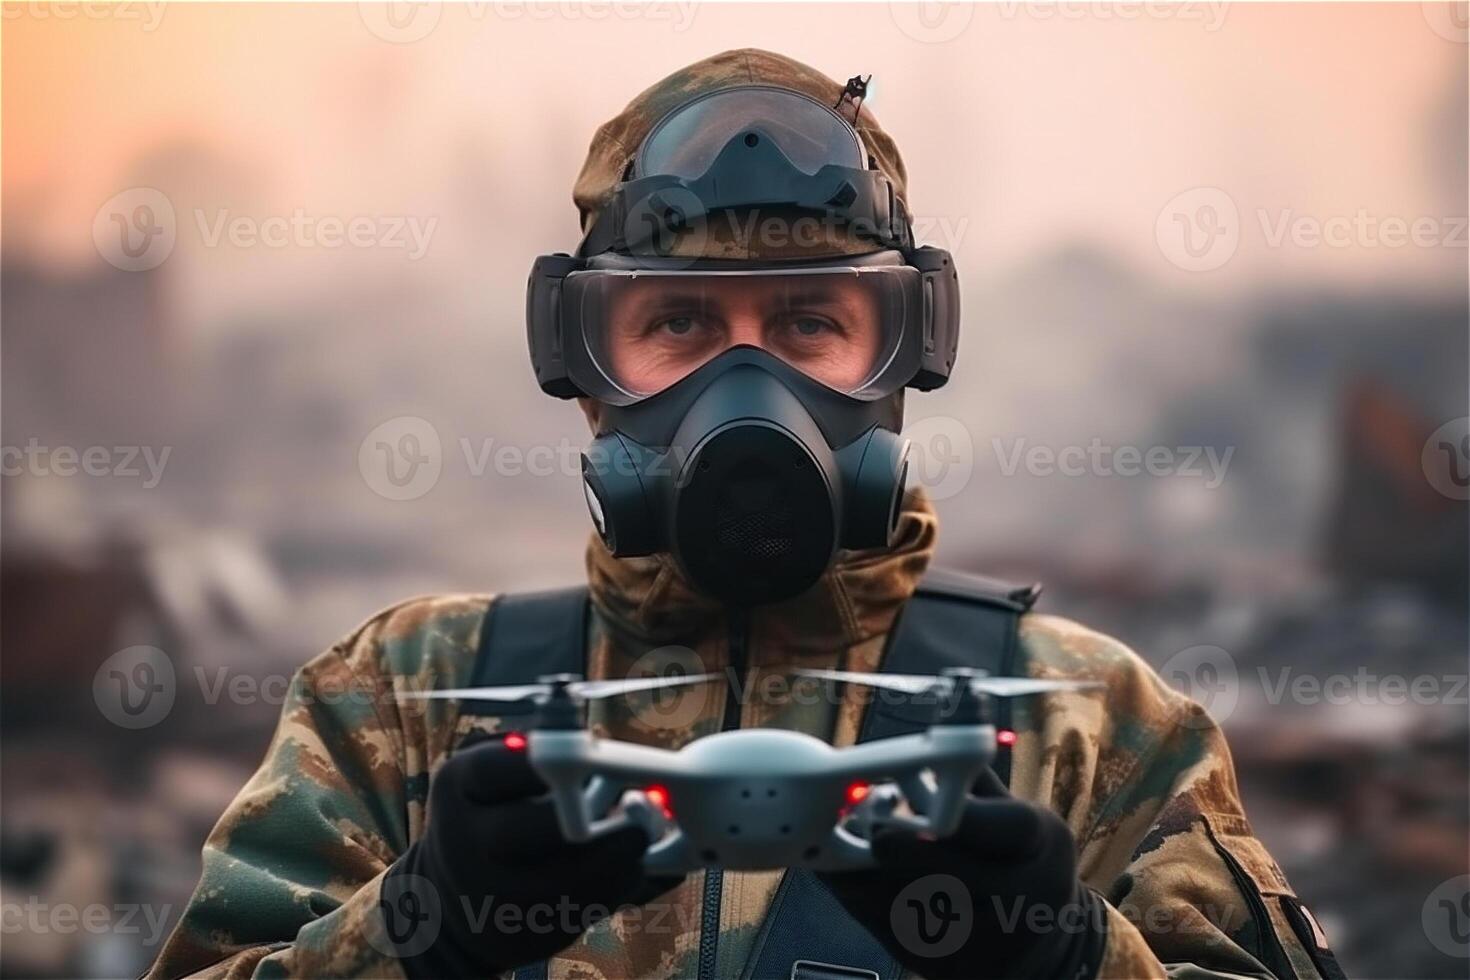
<point>291,873</point>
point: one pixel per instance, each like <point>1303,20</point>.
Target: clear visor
<point>646,330</point>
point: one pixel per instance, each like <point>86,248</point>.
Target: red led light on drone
<point>856,793</point>
<point>659,797</point>
<point>515,741</point>
<point>1005,737</point>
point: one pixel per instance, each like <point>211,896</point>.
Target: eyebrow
<point>815,296</point>
<point>683,297</point>
<point>671,299</point>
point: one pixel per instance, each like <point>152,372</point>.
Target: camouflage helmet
<point>750,236</point>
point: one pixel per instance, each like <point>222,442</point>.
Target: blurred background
<point>264,373</point>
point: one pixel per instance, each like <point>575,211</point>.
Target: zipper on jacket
<point>1270,951</point>
<point>735,669</point>
<point>714,878</point>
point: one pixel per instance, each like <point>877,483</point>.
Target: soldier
<point>739,323</point>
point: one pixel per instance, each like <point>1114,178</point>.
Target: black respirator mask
<point>750,411</point>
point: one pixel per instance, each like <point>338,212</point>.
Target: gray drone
<point>761,798</point>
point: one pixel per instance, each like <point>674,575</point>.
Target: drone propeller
<point>1000,687</point>
<point>584,690</point>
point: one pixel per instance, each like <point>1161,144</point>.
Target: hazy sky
<point>1022,125</point>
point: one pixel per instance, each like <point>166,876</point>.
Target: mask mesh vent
<point>758,535</point>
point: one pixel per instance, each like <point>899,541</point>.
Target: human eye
<point>809,329</point>
<point>807,325</point>
<point>679,335</point>
<point>682,325</point>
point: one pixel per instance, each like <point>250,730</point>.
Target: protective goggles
<point>750,146</point>
<point>620,329</point>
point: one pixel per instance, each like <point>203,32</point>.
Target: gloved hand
<point>1004,901</point>
<point>510,889</point>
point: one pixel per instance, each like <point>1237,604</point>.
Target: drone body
<point>762,798</point>
<point>759,798</point>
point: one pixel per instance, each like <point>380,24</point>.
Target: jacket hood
<point>857,598</point>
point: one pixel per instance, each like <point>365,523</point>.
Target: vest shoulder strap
<point>954,584</point>
<point>953,620</point>
<point>524,636</point>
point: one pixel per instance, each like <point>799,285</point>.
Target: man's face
<point>659,329</point>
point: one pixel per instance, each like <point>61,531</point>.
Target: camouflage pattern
<point>1140,773</point>
<point>616,142</point>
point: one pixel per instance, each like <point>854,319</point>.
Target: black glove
<point>998,898</point>
<point>506,888</point>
